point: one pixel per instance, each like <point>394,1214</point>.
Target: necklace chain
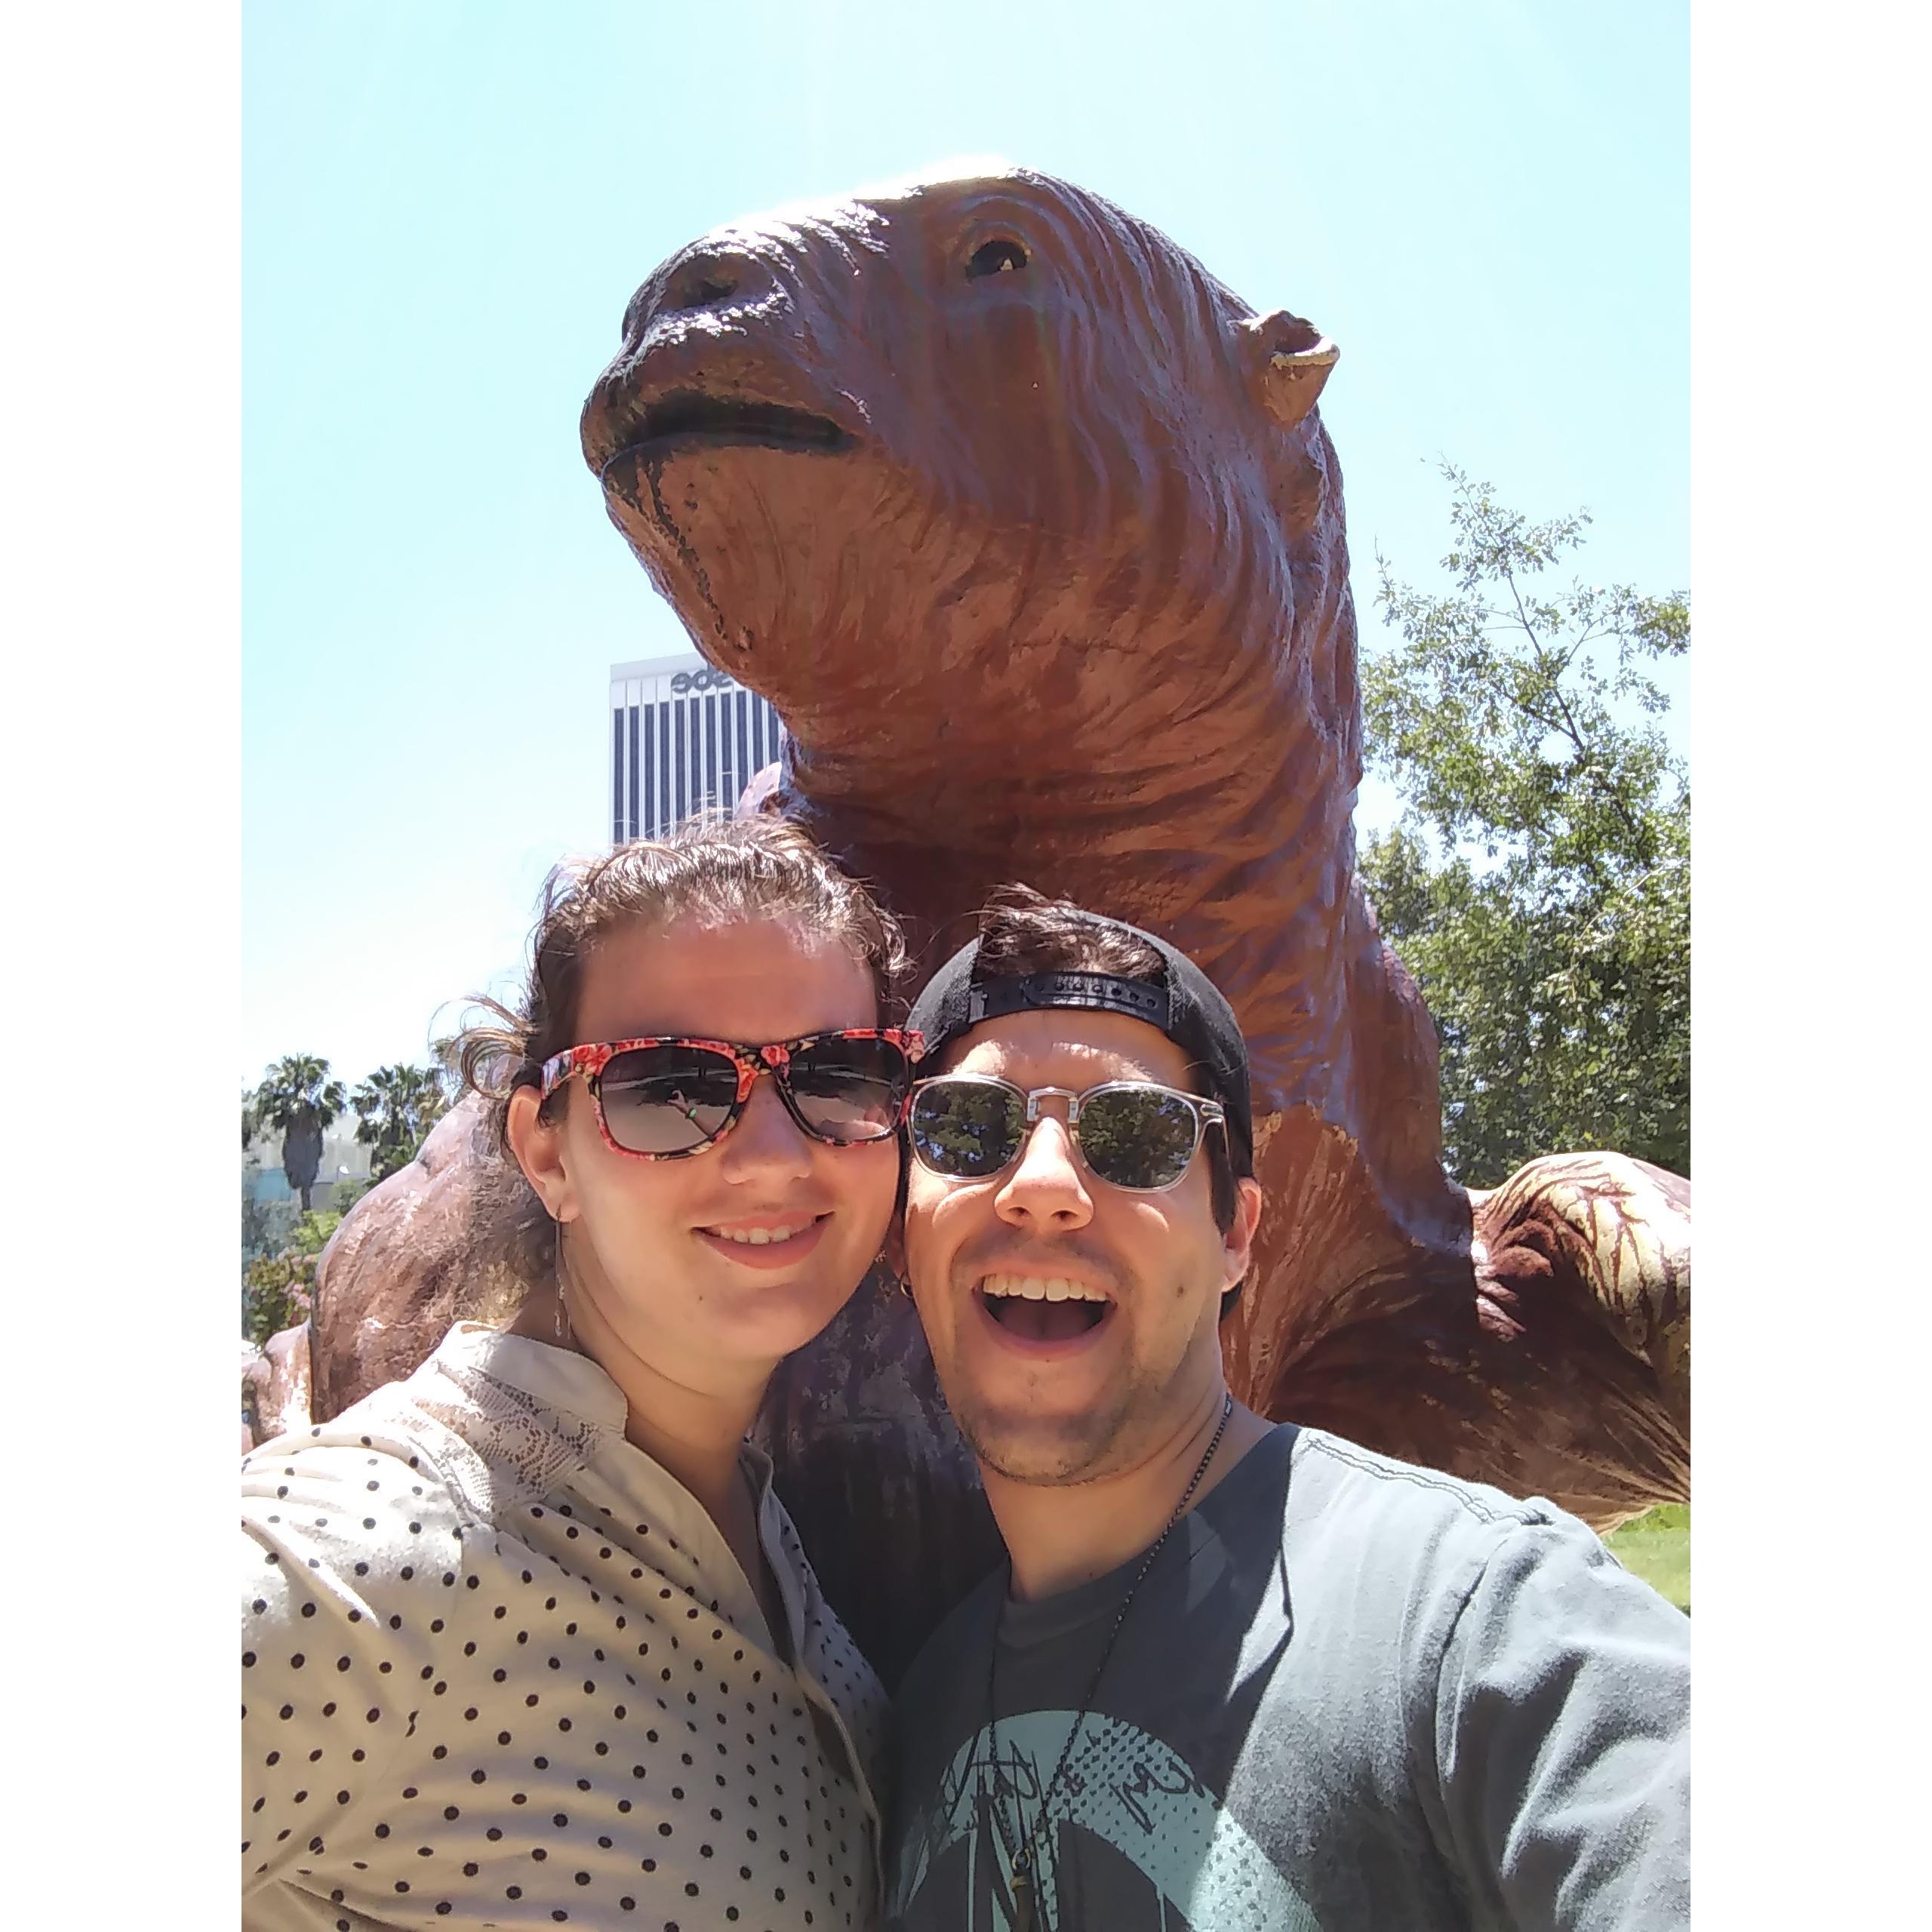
<point>1022,1859</point>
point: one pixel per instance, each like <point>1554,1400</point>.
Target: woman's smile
<point>771,1243</point>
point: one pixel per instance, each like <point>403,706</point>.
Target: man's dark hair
<point>1024,932</point>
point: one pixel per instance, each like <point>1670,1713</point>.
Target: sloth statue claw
<point>1030,529</point>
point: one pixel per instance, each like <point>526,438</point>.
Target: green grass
<point>1656,1547</point>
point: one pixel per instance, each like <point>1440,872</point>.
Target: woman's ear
<point>538,1145</point>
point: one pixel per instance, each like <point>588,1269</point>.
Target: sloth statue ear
<point>1289,360</point>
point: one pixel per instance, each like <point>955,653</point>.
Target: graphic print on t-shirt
<point>1123,1787</point>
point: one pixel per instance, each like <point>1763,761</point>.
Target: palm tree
<point>297,1098</point>
<point>396,1106</point>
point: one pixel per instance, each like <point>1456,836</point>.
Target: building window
<point>663,769</point>
<point>617,777</point>
<point>633,764</point>
<point>647,821</point>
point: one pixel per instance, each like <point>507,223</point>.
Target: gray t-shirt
<point>1349,1692</point>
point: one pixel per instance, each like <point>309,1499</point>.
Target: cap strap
<point>1102,992</point>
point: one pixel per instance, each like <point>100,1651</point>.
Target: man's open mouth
<point>687,417</point>
<point>1049,1308</point>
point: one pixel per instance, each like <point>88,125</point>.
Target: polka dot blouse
<point>499,1669</point>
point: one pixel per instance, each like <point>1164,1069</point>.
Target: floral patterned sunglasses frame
<point>592,1059</point>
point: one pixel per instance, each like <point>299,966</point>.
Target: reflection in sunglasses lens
<point>966,1129</point>
<point>1137,1137</point>
<point>667,1099</point>
<point>849,1090</point>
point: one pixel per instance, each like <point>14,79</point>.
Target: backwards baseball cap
<point>1185,1004</point>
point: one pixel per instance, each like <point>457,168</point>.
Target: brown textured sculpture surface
<point>1030,530</point>
<point>276,1394</point>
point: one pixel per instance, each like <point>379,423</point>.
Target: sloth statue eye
<point>998,258</point>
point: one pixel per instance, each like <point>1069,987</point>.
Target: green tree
<point>298,1100</point>
<point>257,1228</point>
<point>1538,882</point>
<point>277,1290</point>
<point>395,1108</point>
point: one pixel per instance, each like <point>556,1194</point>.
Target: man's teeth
<point>1035,1288</point>
<point>761,1237</point>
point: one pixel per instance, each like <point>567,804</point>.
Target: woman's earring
<point>563,1320</point>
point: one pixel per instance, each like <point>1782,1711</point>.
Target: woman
<point>528,1640</point>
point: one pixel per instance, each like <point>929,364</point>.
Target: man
<point>1236,1675</point>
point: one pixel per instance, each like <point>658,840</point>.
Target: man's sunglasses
<point>1132,1134</point>
<point>664,1097</point>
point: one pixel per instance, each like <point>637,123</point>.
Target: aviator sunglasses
<point>1132,1134</point>
<point>662,1098</point>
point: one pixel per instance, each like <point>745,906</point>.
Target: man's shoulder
<point>1299,1484</point>
<point>1349,1522</point>
<point>1329,1471</point>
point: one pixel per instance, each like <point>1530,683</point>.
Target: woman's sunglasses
<point>1132,1134</point>
<point>665,1097</point>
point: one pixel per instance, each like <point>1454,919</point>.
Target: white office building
<point>683,736</point>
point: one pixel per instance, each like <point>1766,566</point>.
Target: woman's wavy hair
<point>710,871</point>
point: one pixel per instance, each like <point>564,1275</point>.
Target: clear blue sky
<point>446,207</point>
